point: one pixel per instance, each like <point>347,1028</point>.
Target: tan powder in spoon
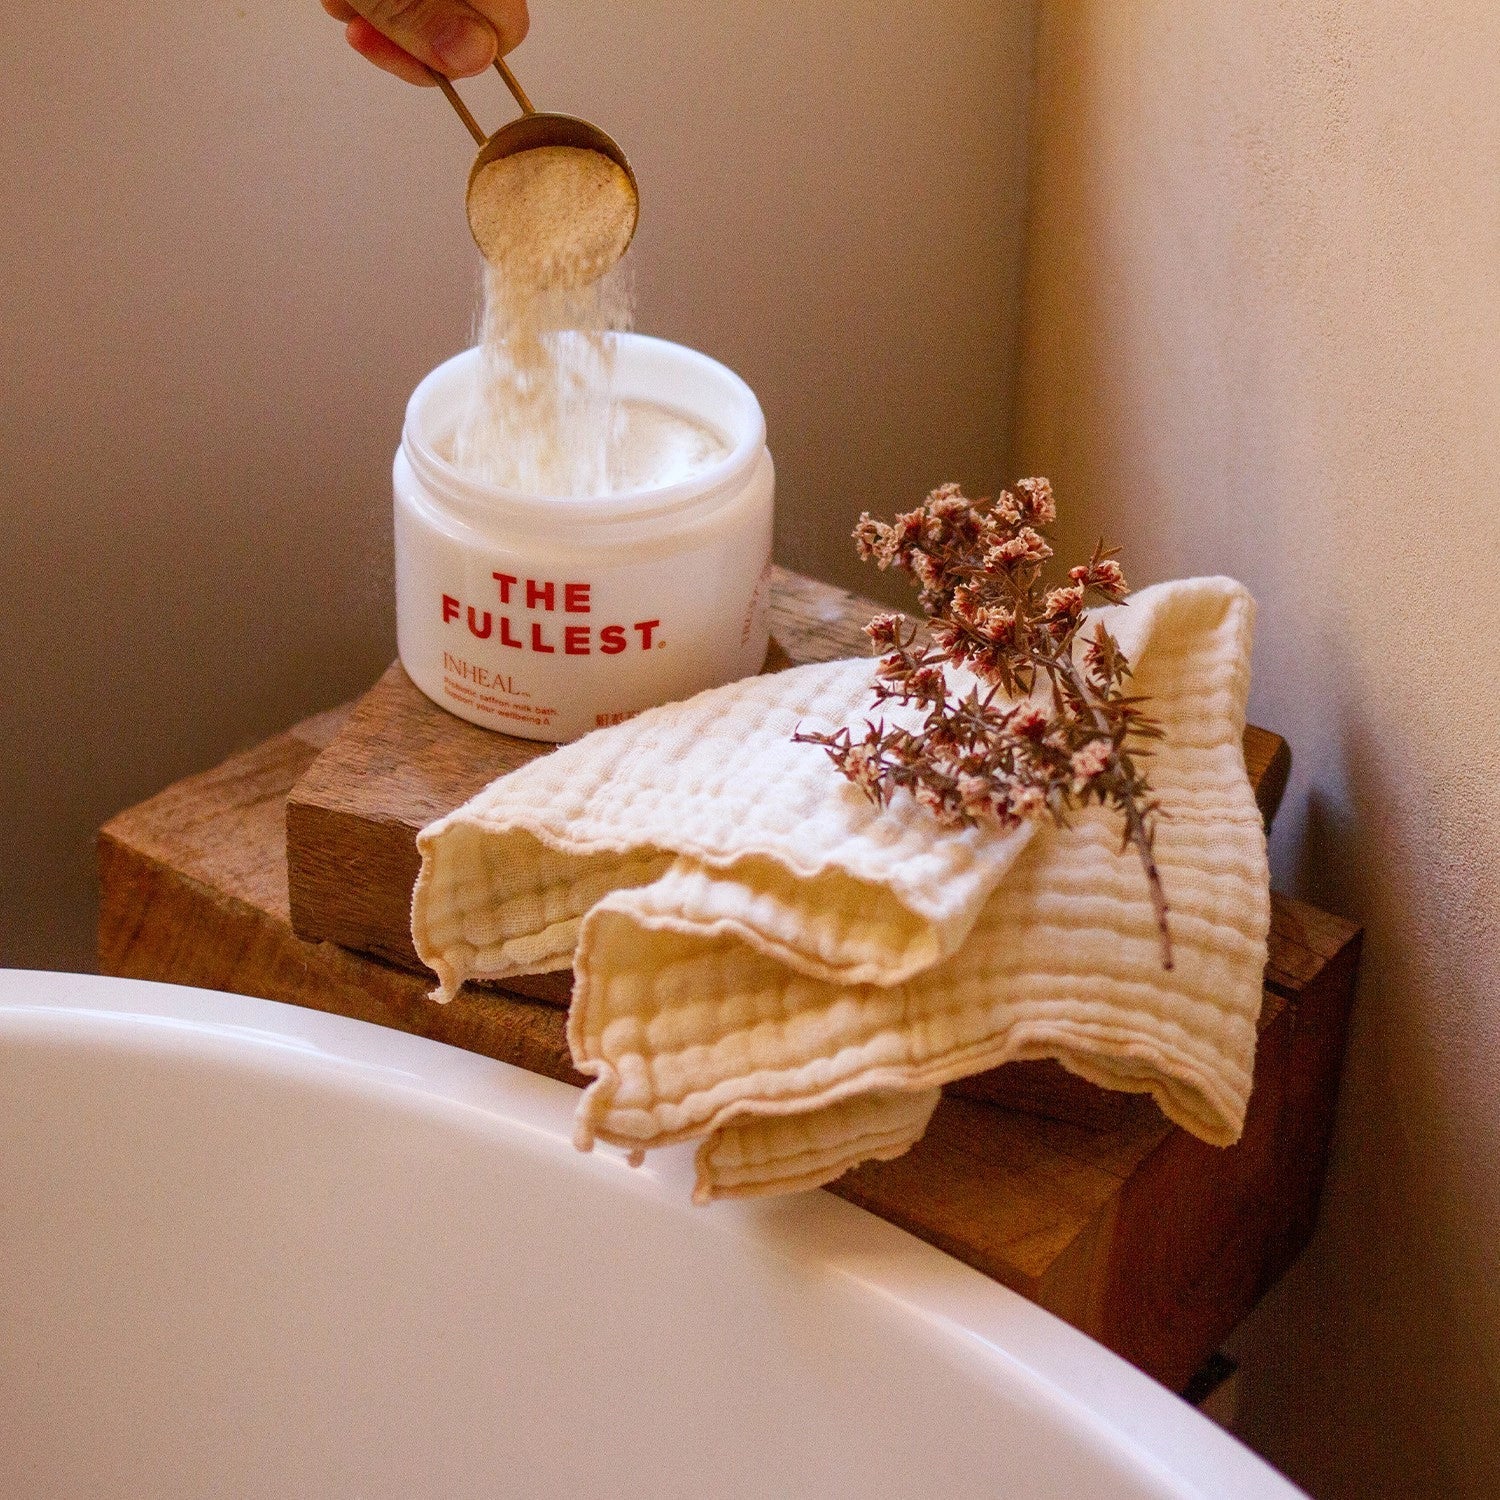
<point>552,217</point>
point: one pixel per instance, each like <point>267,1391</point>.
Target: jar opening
<point>650,371</point>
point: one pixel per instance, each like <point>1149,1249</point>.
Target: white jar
<point>545,617</point>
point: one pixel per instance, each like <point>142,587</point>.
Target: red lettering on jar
<point>577,640</point>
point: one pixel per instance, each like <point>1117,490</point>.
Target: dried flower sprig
<point>1045,727</point>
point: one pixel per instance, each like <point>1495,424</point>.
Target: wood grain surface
<point>401,761</point>
<point>1122,1224</point>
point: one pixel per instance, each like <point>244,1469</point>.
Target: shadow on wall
<point>1396,1171</point>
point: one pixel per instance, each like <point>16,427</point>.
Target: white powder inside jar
<point>543,417</point>
<point>652,446</point>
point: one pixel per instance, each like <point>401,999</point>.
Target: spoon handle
<point>517,92</point>
<point>451,94</point>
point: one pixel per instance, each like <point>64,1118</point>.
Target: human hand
<point>457,37</point>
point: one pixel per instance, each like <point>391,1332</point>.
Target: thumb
<point>448,35</point>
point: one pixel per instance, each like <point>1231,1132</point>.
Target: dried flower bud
<point>1007,509</point>
<point>1026,546</point>
<point>967,605</point>
<point>861,764</point>
<point>1089,763</point>
<point>926,571</point>
<point>1030,722</point>
<point>941,736</point>
<point>949,504</point>
<point>927,684</point>
<point>1063,606</point>
<point>1035,496</point>
<point>884,631</point>
<point>1109,578</point>
<point>989,666</point>
<point>982,800</point>
<point>910,529</point>
<point>874,542</point>
<point>1027,802</point>
<point>931,798</point>
<point>1103,574</point>
<point>947,639</point>
<point>998,626</point>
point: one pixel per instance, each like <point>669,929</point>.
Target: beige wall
<point>229,249</point>
<point>1262,336</point>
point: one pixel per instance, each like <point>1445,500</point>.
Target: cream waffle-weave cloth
<point>767,963</point>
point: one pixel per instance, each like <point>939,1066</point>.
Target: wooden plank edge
<point>1268,763</point>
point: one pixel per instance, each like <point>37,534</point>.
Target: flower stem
<point>1136,831</point>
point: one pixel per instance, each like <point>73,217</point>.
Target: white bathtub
<point>250,1250</point>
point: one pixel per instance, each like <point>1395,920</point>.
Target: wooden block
<point>1268,760</point>
<point>1043,1087</point>
<point>193,891</point>
<point>402,761</point>
<point>1230,1246</point>
<point>1130,1229</point>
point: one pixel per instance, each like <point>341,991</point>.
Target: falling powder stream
<point>543,417</point>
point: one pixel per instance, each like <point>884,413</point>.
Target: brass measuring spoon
<point>536,128</point>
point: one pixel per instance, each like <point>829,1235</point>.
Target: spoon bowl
<point>534,130</point>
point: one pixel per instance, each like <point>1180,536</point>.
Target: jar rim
<point>641,355</point>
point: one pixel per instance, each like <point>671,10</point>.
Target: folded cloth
<point>767,962</point>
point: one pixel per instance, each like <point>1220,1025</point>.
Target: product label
<point>520,644</point>
<point>538,618</point>
<point>477,687</point>
<point>500,620</point>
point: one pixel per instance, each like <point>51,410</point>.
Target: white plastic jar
<point>546,618</point>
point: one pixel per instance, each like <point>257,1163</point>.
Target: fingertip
<point>517,24</point>
<point>464,45</point>
<point>509,18</point>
